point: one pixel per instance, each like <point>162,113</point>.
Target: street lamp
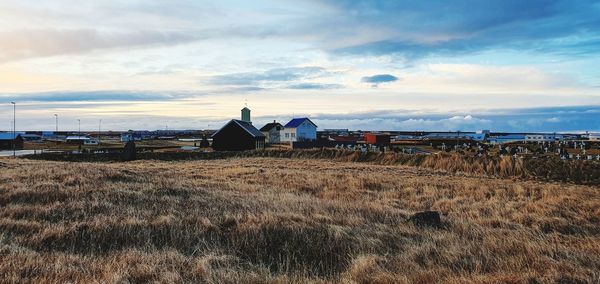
<point>14,128</point>
<point>99,129</point>
<point>79,131</point>
<point>56,117</point>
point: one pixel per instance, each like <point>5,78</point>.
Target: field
<point>266,219</point>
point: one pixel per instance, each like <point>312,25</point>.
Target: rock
<point>426,218</point>
<point>129,151</point>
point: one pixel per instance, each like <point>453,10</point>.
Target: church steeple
<point>246,114</point>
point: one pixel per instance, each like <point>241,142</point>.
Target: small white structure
<point>82,140</point>
<point>543,137</point>
<point>299,129</point>
<point>90,142</point>
<point>594,136</point>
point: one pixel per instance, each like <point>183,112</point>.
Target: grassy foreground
<point>288,220</point>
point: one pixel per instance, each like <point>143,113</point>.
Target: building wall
<point>288,135</point>
<point>273,135</point>
<point>234,138</point>
<point>380,139</point>
<point>8,144</point>
<point>306,131</point>
<point>542,137</point>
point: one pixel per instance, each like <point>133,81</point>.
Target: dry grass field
<point>288,220</point>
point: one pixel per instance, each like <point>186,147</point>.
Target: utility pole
<point>14,129</point>
<point>79,131</point>
<point>99,128</point>
<point>56,117</point>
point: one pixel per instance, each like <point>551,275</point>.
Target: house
<point>272,132</point>
<point>78,140</point>
<point>543,137</point>
<point>377,138</point>
<point>131,136</point>
<point>7,140</point>
<point>299,129</point>
<point>32,138</point>
<point>91,142</point>
<point>238,135</point>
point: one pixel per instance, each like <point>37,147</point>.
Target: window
<point>293,135</point>
<point>287,135</point>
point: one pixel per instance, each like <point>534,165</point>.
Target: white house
<point>272,131</point>
<point>299,129</point>
<point>543,137</point>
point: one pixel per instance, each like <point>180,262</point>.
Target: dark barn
<point>238,135</point>
<point>7,140</point>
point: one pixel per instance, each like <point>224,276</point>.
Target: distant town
<point>302,133</point>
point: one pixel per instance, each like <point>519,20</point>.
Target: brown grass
<point>289,220</point>
<point>540,168</point>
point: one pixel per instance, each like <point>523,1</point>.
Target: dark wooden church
<point>238,135</point>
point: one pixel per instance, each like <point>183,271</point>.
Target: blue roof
<point>8,136</point>
<point>297,121</point>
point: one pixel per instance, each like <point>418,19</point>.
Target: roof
<point>78,138</point>
<point>297,121</point>
<point>270,126</point>
<point>244,125</point>
<point>510,136</point>
<point>8,136</point>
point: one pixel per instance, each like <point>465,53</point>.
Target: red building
<point>377,138</point>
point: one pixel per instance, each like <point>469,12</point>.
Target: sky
<point>465,65</point>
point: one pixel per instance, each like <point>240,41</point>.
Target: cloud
<point>415,29</point>
<point>314,86</point>
<point>379,79</point>
<point>23,44</point>
<point>71,96</point>
<point>269,76</point>
<point>547,119</point>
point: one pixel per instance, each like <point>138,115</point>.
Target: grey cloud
<point>379,79</point>
<point>314,86</point>
<point>23,44</point>
<point>272,75</point>
<point>71,96</point>
<point>416,29</point>
<point>546,119</point>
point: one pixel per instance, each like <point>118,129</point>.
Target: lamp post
<point>99,129</point>
<point>79,129</point>
<point>14,129</point>
<point>56,117</point>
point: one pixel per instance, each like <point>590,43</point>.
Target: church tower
<point>246,115</point>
